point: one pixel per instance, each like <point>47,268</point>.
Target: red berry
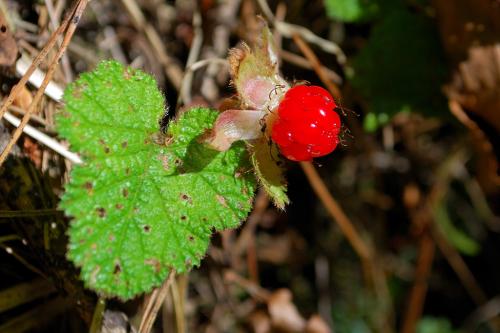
<point>307,125</point>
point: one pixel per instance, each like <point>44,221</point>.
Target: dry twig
<point>288,30</point>
<point>69,24</point>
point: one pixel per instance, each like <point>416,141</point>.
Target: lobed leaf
<point>143,203</point>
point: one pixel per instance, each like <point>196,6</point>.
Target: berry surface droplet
<point>307,125</point>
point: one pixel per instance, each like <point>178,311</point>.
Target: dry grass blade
<point>36,62</point>
<point>172,70</point>
<point>154,304</point>
<point>71,22</point>
<point>317,66</point>
<point>460,268</point>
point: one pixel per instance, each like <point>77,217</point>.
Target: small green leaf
<point>269,172</point>
<point>143,203</point>
<point>458,238</point>
<point>352,10</point>
<point>434,325</point>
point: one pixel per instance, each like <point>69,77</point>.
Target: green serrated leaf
<point>268,171</point>
<point>143,203</point>
<point>352,10</point>
<point>402,67</point>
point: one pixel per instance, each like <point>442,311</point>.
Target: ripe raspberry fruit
<point>307,125</point>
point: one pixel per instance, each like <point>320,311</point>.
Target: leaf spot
<point>147,228</point>
<point>155,263</point>
<point>88,186</point>
<point>117,269</point>
<point>119,206</point>
<point>183,217</point>
<point>101,212</point>
<point>124,144</point>
<point>186,198</point>
<point>222,200</point>
<point>125,192</point>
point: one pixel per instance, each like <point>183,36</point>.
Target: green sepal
<point>269,171</point>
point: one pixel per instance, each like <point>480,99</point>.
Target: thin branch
<point>460,267</point>
<point>304,63</point>
<point>427,249</point>
<point>54,21</point>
